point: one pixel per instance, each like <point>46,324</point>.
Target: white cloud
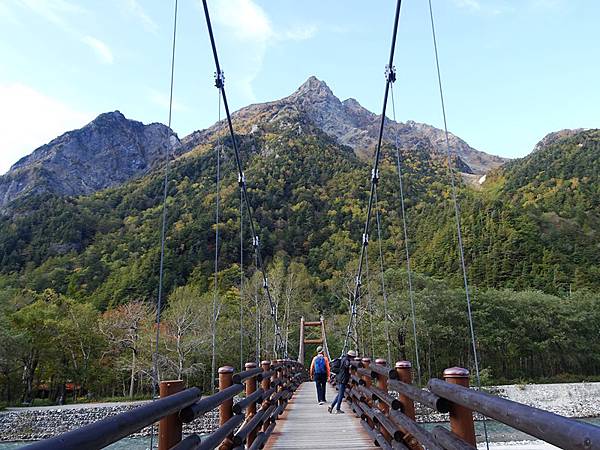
<point>468,4</point>
<point>29,119</point>
<point>136,9</point>
<point>244,18</point>
<point>252,30</point>
<point>301,33</point>
<point>52,10</point>
<point>101,49</point>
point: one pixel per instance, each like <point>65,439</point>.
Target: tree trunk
<point>132,379</point>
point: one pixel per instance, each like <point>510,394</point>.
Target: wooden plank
<point>313,341</point>
<point>308,425</point>
<point>312,324</point>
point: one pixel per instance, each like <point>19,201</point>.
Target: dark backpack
<point>320,365</point>
<point>336,365</point>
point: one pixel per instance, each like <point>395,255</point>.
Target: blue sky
<point>513,70</point>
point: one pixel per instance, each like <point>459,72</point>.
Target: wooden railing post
<point>403,369</point>
<point>250,385</point>
<point>169,428</point>
<point>383,407</point>
<point>461,418</point>
<point>283,379</point>
<point>226,408</point>
<point>266,385</point>
<point>366,362</point>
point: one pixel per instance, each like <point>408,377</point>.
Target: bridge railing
<point>390,419</point>
<point>246,424</point>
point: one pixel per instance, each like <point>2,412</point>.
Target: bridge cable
<point>241,278</point>
<point>370,304</point>
<point>216,307</point>
<point>390,75</point>
<point>163,229</point>
<point>386,322</point>
<point>457,214</point>
<point>220,84</point>
<point>411,293</point>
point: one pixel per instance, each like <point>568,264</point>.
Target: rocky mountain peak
<point>106,152</point>
<point>314,88</point>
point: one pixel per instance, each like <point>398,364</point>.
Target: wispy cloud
<point>138,11</point>
<point>100,48</point>
<point>472,5</point>
<point>301,33</point>
<point>29,119</point>
<point>62,14</point>
<point>253,32</point>
<point>55,11</point>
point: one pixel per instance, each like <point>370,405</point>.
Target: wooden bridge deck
<point>307,425</point>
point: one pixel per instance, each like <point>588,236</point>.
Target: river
<point>500,437</point>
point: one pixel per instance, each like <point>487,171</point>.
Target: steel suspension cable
<point>390,78</point>
<point>163,227</point>
<point>386,322</point>
<point>215,306</point>
<point>370,304</point>
<point>456,212</point>
<point>220,84</point>
<point>411,294</point>
<point>241,278</point>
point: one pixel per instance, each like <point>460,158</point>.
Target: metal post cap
<point>265,362</point>
<point>226,369</point>
<point>403,365</point>
<point>366,360</point>
<point>380,361</point>
<point>456,372</point>
<point>250,365</point>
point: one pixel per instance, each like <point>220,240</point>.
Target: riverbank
<point>579,400</point>
<point>34,423</point>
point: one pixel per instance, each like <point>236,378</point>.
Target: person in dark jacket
<point>342,379</point>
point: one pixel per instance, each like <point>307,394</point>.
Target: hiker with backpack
<point>319,371</point>
<point>342,365</point>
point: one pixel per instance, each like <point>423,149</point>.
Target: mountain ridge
<point>108,151</point>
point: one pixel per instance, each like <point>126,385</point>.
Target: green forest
<point>79,276</point>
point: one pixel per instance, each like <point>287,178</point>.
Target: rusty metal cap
<point>366,360</point>
<point>226,369</point>
<point>250,365</point>
<point>380,362</point>
<point>403,365</point>
<point>265,362</point>
<point>456,372</point>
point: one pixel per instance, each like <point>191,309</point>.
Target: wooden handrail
<point>186,406</point>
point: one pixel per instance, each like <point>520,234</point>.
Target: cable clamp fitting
<point>357,281</point>
<point>374,176</point>
<point>255,241</point>
<point>390,73</point>
<point>241,179</point>
<point>266,283</point>
<point>273,310</point>
<point>365,240</point>
<point>220,79</point>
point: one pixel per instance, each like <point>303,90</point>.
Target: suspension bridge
<point>271,403</point>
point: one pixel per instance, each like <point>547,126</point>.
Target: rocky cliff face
<point>111,149</point>
<point>106,152</point>
<point>353,125</point>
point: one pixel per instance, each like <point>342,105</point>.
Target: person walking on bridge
<point>319,371</point>
<point>342,378</point>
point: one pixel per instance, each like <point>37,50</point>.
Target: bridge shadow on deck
<point>307,425</point>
